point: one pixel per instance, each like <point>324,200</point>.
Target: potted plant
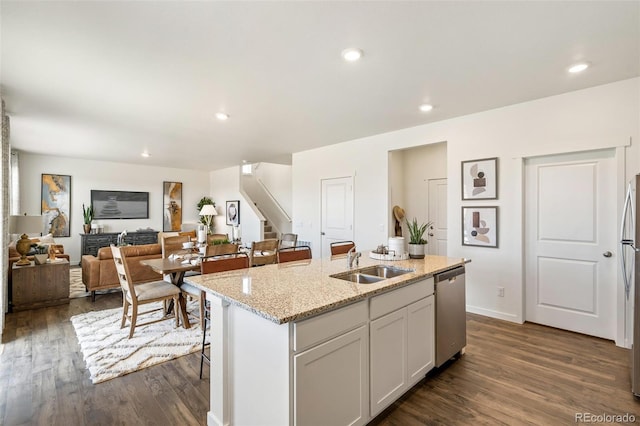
<point>87,212</point>
<point>205,219</point>
<point>416,238</point>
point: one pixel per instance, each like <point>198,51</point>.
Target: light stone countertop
<point>293,291</point>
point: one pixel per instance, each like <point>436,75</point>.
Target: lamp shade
<point>208,210</point>
<point>20,224</point>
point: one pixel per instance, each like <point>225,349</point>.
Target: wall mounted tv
<point>120,204</point>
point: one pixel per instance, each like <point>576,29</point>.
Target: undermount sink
<point>384,271</point>
<point>371,274</point>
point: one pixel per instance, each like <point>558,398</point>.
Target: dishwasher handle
<point>450,274</point>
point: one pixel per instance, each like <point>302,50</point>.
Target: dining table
<point>176,268</point>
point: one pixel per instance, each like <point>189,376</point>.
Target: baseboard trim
<point>494,314</point>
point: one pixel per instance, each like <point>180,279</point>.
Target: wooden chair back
<point>227,262</point>
<point>341,247</point>
<point>291,254</point>
<point>122,270</point>
<point>288,240</point>
<point>173,244</point>
<point>220,249</point>
<point>264,252</point>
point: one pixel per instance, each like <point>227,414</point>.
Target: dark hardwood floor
<point>510,374</point>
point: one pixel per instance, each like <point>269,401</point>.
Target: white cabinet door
<point>387,351</point>
<point>331,381</point>
<point>420,332</point>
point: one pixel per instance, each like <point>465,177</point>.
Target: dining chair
<point>288,240</point>
<point>290,254</point>
<point>218,249</point>
<point>263,252</point>
<point>212,264</point>
<point>341,247</point>
<point>141,294</point>
<point>172,245</point>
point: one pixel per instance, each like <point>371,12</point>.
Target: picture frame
<point>480,179</point>
<point>171,206</point>
<point>120,204</point>
<point>480,226</point>
<point>55,204</point>
<point>232,213</point>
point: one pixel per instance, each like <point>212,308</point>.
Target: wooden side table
<point>37,286</point>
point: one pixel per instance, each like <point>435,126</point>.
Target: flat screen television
<point>120,204</point>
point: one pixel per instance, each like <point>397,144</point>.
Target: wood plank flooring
<point>511,374</point>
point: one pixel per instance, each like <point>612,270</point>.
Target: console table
<point>90,243</point>
<point>37,286</point>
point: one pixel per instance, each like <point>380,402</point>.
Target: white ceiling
<point>107,80</point>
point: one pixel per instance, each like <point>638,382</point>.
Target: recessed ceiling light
<point>426,107</point>
<point>222,116</point>
<point>578,67</point>
<point>145,154</point>
<point>352,54</point>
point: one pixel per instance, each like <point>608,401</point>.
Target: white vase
<point>416,251</point>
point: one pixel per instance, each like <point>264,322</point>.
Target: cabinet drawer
<point>317,329</point>
<point>396,299</point>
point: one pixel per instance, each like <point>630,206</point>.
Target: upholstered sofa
<point>99,272</point>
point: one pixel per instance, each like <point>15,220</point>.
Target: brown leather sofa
<point>99,273</point>
<point>14,256</point>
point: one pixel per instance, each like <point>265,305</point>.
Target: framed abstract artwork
<point>171,206</point>
<point>233,213</point>
<point>480,179</point>
<point>55,202</point>
<point>480,226</point>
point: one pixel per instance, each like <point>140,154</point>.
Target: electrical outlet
<point>500,291</point>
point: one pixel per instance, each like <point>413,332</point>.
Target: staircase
<point>268,231</point>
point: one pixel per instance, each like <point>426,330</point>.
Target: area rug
<point>76,287</point>
<point>109,353</point>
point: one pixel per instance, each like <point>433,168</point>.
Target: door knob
<point>430,234</point>
<point>322,233</point>
<point>607,254</point>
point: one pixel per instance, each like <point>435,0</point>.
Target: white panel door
<point>337,212</point>
<point>437,233</point>
<point>570,237</point>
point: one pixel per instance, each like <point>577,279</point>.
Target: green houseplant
<point>416,238</point>
<point>87,213</point>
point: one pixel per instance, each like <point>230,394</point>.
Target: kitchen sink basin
<point>371,274</point>
<point>384,271</point>
<point>357,277</point>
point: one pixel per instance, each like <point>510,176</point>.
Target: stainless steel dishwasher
<point>451,315</point>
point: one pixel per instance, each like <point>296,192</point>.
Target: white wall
<point>277,179</point>
<point>225,186</point>
<point>87,175</point>
<point>594,118</point>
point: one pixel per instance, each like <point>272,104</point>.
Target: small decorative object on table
<point>41,255</point>
<point>121,241</point>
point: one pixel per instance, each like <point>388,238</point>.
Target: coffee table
<point>38,286</point>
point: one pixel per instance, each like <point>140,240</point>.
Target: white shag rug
<point>76,287</point>
<point>109,353</point>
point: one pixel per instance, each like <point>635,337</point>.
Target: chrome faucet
<point>353,255</point>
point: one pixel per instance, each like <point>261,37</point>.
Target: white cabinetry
<point>401,348</point>
<point>331,381</point>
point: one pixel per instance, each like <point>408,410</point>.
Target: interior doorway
<point>337,212</point>
<point>570,238</point>
<point>437,232</point>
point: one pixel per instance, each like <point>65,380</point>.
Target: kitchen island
<point>290,344</point>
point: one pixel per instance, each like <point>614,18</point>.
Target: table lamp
<point>24,225</point>
<point>208,211</point>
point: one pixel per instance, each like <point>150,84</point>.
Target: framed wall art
<point>120,204</point>
<point>55,203</point>
<point>172,206</point>
<point>233,213</point>
<point>480,226</point>
<point>480,179</point>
